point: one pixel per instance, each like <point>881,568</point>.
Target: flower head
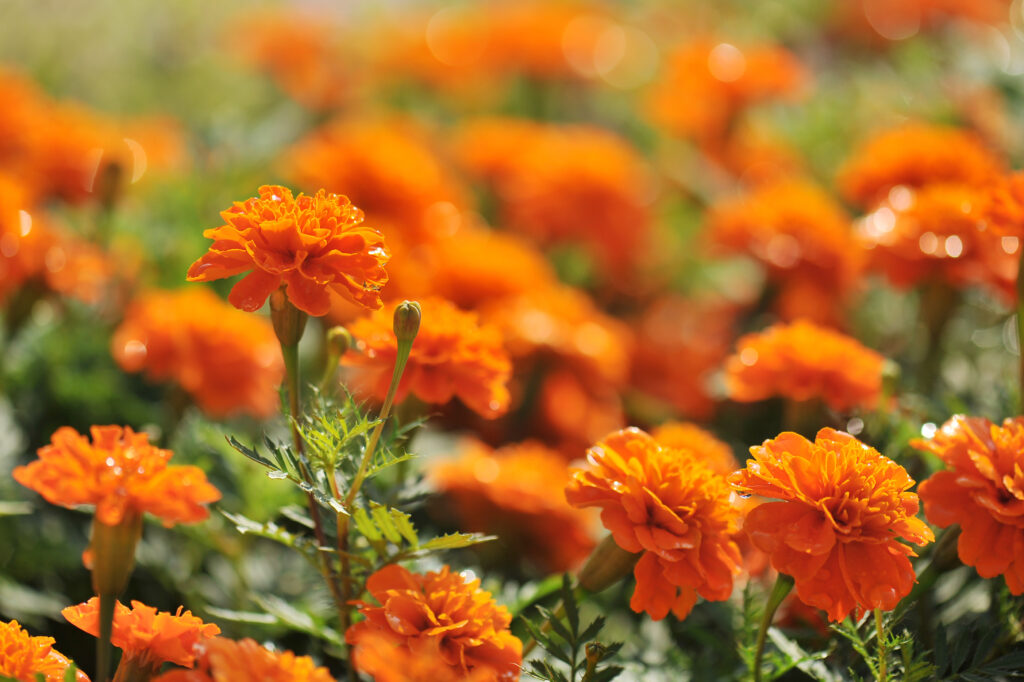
<point>377,656</point>
<point>22,656</point>
<point>225,660</point>
<point>802,361</point>
<point>840,507</point>
<point>672,507</point>
<point>310,244</point>
<point>228,361</point>
<point>120,473</point>
<point>515,492</point>
<point>982,489</point>
<point>441,613</point>
<point>687,436</point>
<point>452,356</point>
<point>146,636</point>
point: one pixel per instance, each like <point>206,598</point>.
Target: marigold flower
<point>452,356</point>
<point>441,613</point>
<point>227,360</point>
<point>574,410</point>
<point>913,156</point>
<point>982,489</point>
<point>377,656</point>
<point>515,492</point>
<point>672,507</point>
<point>225,660</point>
<point>802,361</point>
<point>687,436</point>
<point>22,656</point>
<point>310,244</point>
<point>120,473</point>
<point>147,637</point>
<point>841,507</point>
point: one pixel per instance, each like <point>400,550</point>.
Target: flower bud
<point>289,321</point>
<point>339,340</point>
<point>407,321</point>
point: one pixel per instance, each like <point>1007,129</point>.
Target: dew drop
<point>277,475</point>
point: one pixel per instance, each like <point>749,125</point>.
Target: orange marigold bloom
<point>441,614</point>
<point>669,505</point>
<point>515,492</point>
<point>687,436</point>
<point>916,155</point>
<point>802,361</point>
<point>452,356</point>
<point>120,473</point>
<point>225,660</point>
<point>377,656</point>
<point>932,234</point>
<point>982,489</point>
<point>22,656</point>
<point>574,410</point>
<point>310,244</point>
<point>841,507</point>
<point>147,637</point>
<point>227,360</point>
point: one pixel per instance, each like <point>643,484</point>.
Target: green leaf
<point>365,525</point>
<point>382,517</point>
<point>455,541</point>
<point>569,602</point>
<point>15,508</point>
<point>248,617</point>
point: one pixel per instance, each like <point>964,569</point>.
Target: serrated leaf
<point>569,602</point>
<point>403,522</point>
<point>609,673</point>
<point>454,541</point>
<point>591,630</point>
<point>382,517</point>
<point>365,525</point>
<point>249,617</point>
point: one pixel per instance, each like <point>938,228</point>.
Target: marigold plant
<point>309,244</point>
<point>440,613</point>
<point>225,660</point>
<point>802,361</point>
<point>672,509</point>
<point>982,490</point>
<point>840,508</point>
<point>23,657</point>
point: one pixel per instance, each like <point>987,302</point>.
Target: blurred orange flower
<point>704,444</point>
<point>377,656</point>
<point>515,492</point>
<point>841,507</point>
<point>574,409</point>
<point>706,86</point>
<point>982,489</point>
<point>912,156</point>
<point>440,613</point>
<point>802,361</point>
<point>310,244</point>
<point>1003,212</point>
<point>452,356</point>
<point>227,360</point>
<point>225,660</point>
<point>147,637</point>
<point>23,657</point>
<point>120,473</point>
<point>672,507</point>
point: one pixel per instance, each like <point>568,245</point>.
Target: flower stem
<point>880,629</point>
<point>103,648</point>
<point>783,584</point>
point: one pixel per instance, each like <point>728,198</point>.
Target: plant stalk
<point>783,584</point>
<point>103,647</point>
<point>882,663</point>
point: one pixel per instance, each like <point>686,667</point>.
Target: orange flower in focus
<point>310,244</point>
<point>932,234</point>
<point>672,507</point>
<point>22,656</point>
<point>227,360</point>
<point>912,156</point>
<point>515,492</point>
<point>801,361</point>
<point>841,507</point>
<point>982,489</point>
<point>800,234</point>
<point>440,614</point>
<point>452,356</point>
<point>120,473</point>
<point>707,85</point>
<point>687,436</point>
<point>147,637</point>
<point>225,660</point>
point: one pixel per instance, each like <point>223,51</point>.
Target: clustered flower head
<point>688,436</point>
<point>515,492</point>
<point>225,660</point>
<point>308,244</point>
<point>120,473</point>
<point>23,657</point>
<point>838,513</point>
<point>452,356</point>
<point>440,614</point>
<point>228,361</point>
<point>670,507</point>
<point>802,361</point>
<point>982,490</point>
<point>147,637</point>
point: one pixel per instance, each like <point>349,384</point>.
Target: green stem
<point>882,663</point>
<point>103,647</point>
<point>783,584</point>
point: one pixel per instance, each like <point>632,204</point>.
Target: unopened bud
<point>407,320</point>
<point>607,565</point>
<point>339,340</point>
<point>289,321</point>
